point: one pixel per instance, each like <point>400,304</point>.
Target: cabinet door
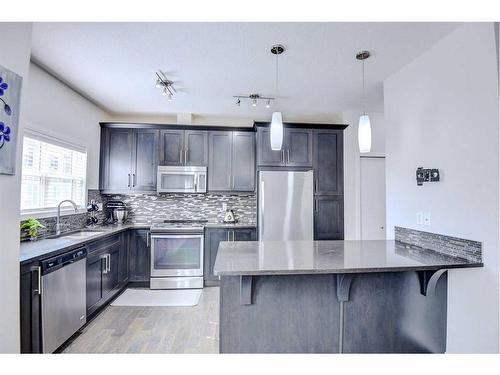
<point>123,260</point>
<point>30,300</point>
<point>265,155</point>
<point>329,218</point>
<point>117,162</point>
<point>245,234</point>
<point>139,256</point>
<point>328,162</point>
<point>219,161</point>
<point>196,147</point>
<point>111,279</point>
<point>212,239</point>
<point>95,267</point>
<point>172,147</point>
<point>145,160</point>
<point>243,162</point>
<point>299,144</point>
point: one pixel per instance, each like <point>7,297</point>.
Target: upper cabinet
<point>328,162</point>
<point>184,147</point>
<point>295,152</point>
<point>231,165</point>
<point>129,160</point>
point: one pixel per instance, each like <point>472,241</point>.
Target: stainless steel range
<point>177,254</point>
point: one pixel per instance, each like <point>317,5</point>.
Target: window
<point>52,171</point>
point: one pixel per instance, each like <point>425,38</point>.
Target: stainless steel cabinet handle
<point>195,183</point>
<point>288,155</point>
<point>315,206</point>
<point>282,155</point>
<point>38,270</point>
<point>186,155</point>
<point>148,234</point>
<point>180,156</point>
<point>228,235</point>
<point>315,185</point>
<point>128,180</point>
<point>105,257</point>
<point>134,180</point>
<point>232,235</point>
<point>109,262</point>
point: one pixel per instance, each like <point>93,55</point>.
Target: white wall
<point>352,187</point>
<point>55,109</point>
<point>441,111</point>
<point>15,47</point>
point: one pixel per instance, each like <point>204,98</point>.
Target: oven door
<point>176,255</point>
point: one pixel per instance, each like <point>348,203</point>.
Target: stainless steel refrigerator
<point>285,201</point>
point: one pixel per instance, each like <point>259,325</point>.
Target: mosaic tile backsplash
<point>452,246</point>
<point>148,208</point>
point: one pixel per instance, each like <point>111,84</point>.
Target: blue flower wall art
<point>10,94</point>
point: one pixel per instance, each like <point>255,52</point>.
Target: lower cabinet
<point>212,238</point>
<point>30,307</point>
<point>106,270</point>
<point>329,217</point>
<point>140,256</point>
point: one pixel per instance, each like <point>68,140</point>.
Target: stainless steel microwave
<point>182,179</point>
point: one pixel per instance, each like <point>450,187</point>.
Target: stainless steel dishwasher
<point>63,297</point>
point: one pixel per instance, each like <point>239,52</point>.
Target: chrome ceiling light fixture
<point>364,126</point>
<point>276,132</point>
<point>254,99</point>
<point>166,85</point>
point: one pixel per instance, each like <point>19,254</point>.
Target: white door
<point>372,198</point>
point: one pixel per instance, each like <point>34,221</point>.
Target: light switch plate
<point>224,206</point>
<point>427,218</point>
<point>420,218</point>
<point>99,205</point>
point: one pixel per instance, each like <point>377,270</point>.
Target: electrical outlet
<point>224,206</point>
<point>99,205</point>
<point>427,218</point>
<point>420,218</point>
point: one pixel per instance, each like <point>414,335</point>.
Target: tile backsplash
<point>146,208</point>
<point>452,246</point>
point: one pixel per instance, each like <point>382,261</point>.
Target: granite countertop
<point>46,247</point>
<point>309,257</point>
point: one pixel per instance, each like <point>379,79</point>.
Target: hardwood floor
<point>153,329</point>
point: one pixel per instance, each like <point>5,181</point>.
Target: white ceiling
<point>114,64</point>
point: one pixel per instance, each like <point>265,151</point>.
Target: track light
<point>165,85</point>
<point>238,102</point>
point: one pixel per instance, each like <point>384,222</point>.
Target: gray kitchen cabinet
<point>295,152</point>
<point>196,147</point>
<point>129,160</point>
<point>183,147</point>
<point>265,155</point>
<point>30,308</point>
<point>145,162</point>
<point>116,159</point>
<point>219,161</point>
<point>139,256</point>
<point>213,236</point>
<point>328,162</point>
<point>243,161</point>
<point>103,271</point>
<point>299,146</point>
<point>329,217</point>
<point>231,164</point>
<point>171,146</point>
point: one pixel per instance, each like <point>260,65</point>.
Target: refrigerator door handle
<point>261,210</point>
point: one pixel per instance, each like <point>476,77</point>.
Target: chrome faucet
<point>58,224</point>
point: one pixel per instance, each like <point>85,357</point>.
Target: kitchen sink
<point>80,234</point>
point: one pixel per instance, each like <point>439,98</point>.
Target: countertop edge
<point>348,271</point>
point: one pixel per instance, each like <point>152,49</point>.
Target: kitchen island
<point>333,297</point>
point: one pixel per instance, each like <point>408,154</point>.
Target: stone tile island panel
<point>452,246</point>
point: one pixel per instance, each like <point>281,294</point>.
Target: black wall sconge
<point>427,175</point>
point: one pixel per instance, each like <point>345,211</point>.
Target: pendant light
<point>364,126</point>
<point>276,132</point>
